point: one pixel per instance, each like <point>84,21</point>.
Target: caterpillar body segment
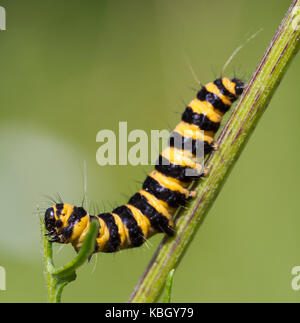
<point>150,210</point>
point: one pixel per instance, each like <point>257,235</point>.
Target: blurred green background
<point>72,68</point>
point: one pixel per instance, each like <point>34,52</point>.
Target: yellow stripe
<point>159,205</point>
<point>103,235</point>
<point>192,131</point>
<point>181,157</point>
<point>79,228</point>
<point>211,87</point>
<point>204,107</point>
<point>77,243</point>
<point>230,86</point>
<point>55,210</point>
<point>171,183</point>
<point>121,230</point>
<point>142,221</point>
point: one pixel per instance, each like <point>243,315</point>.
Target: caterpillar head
<point>65,223</point>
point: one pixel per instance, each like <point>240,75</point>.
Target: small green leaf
<point>168,288</point>
<point>57,279</point>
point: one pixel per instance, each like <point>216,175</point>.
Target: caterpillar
<point>165,189</point>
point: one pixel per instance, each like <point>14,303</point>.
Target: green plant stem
<point>57,279</point>
<point>254,101</point>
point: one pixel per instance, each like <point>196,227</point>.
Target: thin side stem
<point>283,48</point>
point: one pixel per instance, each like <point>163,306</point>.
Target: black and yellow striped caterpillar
<point>150,210</point>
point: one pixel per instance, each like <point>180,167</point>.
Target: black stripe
<point>59,208</point>
<point>114,238</point>
<point>200,120</point>
<point>135,232</point>
<point>77,214</point>
<point>182,173</point>
<point>213,99</point>
<point>224,91</point>
<point>157,220</point>
<point>173,198</point>
<point>195,146</point>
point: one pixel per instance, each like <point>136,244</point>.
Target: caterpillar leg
<point>215,146</point>
<point>205,172</point>
<point>192,194</point>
